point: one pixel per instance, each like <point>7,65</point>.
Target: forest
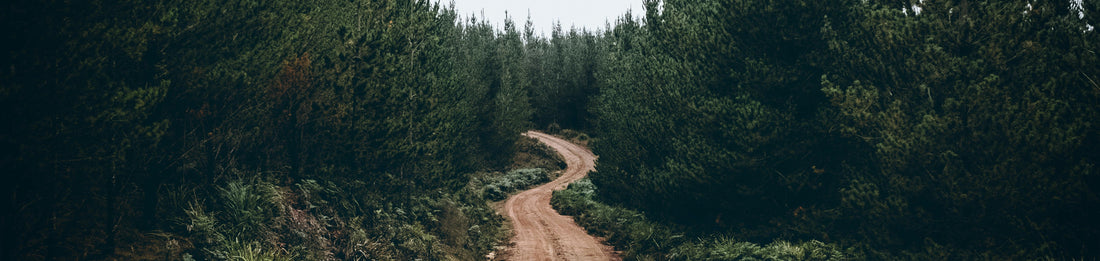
<point>383,129</point>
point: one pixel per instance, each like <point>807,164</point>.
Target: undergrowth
<point>250,218</point>
<point>325,220</point>
<point>574,136</point>
<point>530,153</point>
<point>638,238</point>
<point>499,187</point>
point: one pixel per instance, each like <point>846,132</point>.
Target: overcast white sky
<point>589,14</point>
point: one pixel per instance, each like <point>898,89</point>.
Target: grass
<point>248,207</point>
<point>253,251</point>
<point>638,238</point>
<point>241,228</point>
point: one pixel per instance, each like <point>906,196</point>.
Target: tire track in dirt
<point>540,232</point>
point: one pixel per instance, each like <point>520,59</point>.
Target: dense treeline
<point>563,70</point>
<point>361,129</point>
<point>271,129</point>
<point>902,129</point>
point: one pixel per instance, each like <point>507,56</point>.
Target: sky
<point>591,14</point>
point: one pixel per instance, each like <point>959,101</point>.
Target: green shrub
<point>574,136</point>
<point>641,239</point>
<point>499,187</point>
<point>359,245</point>
<point>240,226</point>
<point>728,248</point>
<point>570,134</point>
<point>251,251</point>
<point>553,128</point>
<point>352,224</point>
<point>629,231</point>
<point>203,225</point>
<point>248,208</point>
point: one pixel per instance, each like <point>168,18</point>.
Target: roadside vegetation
<point>639,238</point>
<point>318,220</point>
<point>574,136</point>
<point>249,219</point>
<point>500,187</point>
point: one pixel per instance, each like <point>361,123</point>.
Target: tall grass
<point>252,251</point>
<point>249,208</point>
<point>240,227</point>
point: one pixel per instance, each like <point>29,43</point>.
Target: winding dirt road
<point>543,234</point>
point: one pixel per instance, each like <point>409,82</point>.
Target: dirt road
<point>543,234</point>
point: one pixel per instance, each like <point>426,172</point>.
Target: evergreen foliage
<point>923,130</point>
<point>127,116</point>
<point>339,129</point>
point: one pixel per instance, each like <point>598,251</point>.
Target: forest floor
<point>540,232</point>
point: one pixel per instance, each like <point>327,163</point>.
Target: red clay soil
<point>540,232</point>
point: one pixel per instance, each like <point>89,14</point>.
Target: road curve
<point>540,232</point>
